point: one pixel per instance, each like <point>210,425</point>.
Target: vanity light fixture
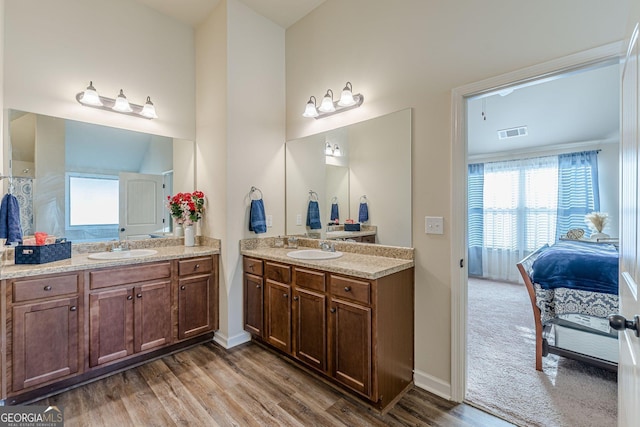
<point>329,107</point>
<point>332,150</point>
<point>120,104</point>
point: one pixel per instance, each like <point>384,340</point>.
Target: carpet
<point>501,374</point>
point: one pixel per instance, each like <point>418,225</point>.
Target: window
<point>92,200</point>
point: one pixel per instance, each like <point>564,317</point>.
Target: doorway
<point>491,87</point>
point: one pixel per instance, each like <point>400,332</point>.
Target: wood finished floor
<point>246,386</point>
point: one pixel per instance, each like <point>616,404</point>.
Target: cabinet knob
<point>333,309</point>
<point>258,286</point>
<point>47,288</point>
<point>347,288</point>
<point>285,295</point>
<point>129,297</point>
<point>251,267</point>
<point>197,266</point>
<point>73,308</point>
<point>183,287</point>
<point>296,298</point>
<point>138,295</point>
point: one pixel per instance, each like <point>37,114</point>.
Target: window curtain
<point>578,192</point>
<point>519,213</point>
<point>475,215</point>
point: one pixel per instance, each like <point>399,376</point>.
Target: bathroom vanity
<point>68,322</point>
<point>348,319</point>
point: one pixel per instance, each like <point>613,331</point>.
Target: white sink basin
<point>133,253</point>
<point>313,254</point>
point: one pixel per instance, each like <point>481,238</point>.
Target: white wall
<point>240,137</point>
<point>54,48</point>
<point>411,53</point>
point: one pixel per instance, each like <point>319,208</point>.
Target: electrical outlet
<point>269,220</point>
<point>299,219</point>
<point>434,225</point>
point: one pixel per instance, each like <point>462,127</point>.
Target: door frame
<point>523,77</point>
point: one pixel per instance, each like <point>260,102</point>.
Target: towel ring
<point>363,199</point>
<point>334,199</point>
<point>313,194</point>
<point>255,190</point>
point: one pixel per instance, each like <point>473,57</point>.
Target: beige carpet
<point>502,378</point>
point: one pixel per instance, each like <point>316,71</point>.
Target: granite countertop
<point>351,264</point>
<point>80,260</point>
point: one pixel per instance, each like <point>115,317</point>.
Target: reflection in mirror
<point>374,159</point>
<point>89,182</point>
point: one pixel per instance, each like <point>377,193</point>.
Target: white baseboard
<point>432,384</point>
<point>236,340</point>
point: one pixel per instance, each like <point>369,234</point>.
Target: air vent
<point>512,133</point>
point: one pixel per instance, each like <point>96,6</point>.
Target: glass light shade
<point>346,98</point>
<point>310,109</point>
<point>149,111</point>
<point>328,151</point>
<point>327,104</point>
<point>90,96</point>
<point>336,151</point>
<point>121,104</point>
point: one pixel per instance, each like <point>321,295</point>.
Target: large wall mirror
<point>88,182</point>
<point>372,159</point>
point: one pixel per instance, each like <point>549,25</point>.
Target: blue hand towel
<point>10,228</point>
<point>363,212</point>
<point>257,219</point>
<point>313,215</point>
<point>334,212</point>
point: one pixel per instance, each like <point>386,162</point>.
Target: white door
<point>628,365</point>
<point>141,205</point>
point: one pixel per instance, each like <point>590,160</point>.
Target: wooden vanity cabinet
<point>197,296</point>
<point>253,286</point>
<point>129,311</point>
<point>277,301</point>
<point>45,333</point>
<point>357,333</point>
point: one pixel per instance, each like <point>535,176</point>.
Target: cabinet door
<point>152,313</point>
<point>195,306</point>
<point>351,339</point>
<point>253,304</point>
<point>45,342</point>
<point>110,325</point>
<point>311,328</point>
<point>278,315</point>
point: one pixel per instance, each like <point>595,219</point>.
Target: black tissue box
<point>40,254</point>
<point>352,227</point>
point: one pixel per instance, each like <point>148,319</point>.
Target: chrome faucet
<point>328,247</point>
<point>122,245</point>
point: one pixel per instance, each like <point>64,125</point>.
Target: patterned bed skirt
<point>555,302</point>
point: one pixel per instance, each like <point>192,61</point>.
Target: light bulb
<point>336,151</point>
<point>328,151</point>
<point>149,111</point>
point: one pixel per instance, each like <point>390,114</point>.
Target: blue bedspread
<point>578,265</point>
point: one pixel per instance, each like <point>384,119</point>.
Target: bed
<point>573,287</point>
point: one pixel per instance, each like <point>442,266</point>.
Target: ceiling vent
<point>512,133</point>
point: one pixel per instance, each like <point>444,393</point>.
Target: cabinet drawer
<point>253,266</point>
<point>30,289</point>
<point>277,272</point>
<point>196,265</point>
<point>125,275</point>
<point>352,289</point>
<point>310,279</point>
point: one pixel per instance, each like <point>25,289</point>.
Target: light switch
<point>269,220</point>
<point>299,219</point>
<point>434,225</point>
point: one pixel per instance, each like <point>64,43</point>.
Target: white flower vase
<point>178,231</point>
<point>596,236</point>
<point>189,236</point>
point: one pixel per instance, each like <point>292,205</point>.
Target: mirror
<point>370,158</point>
<point>89,182</point>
